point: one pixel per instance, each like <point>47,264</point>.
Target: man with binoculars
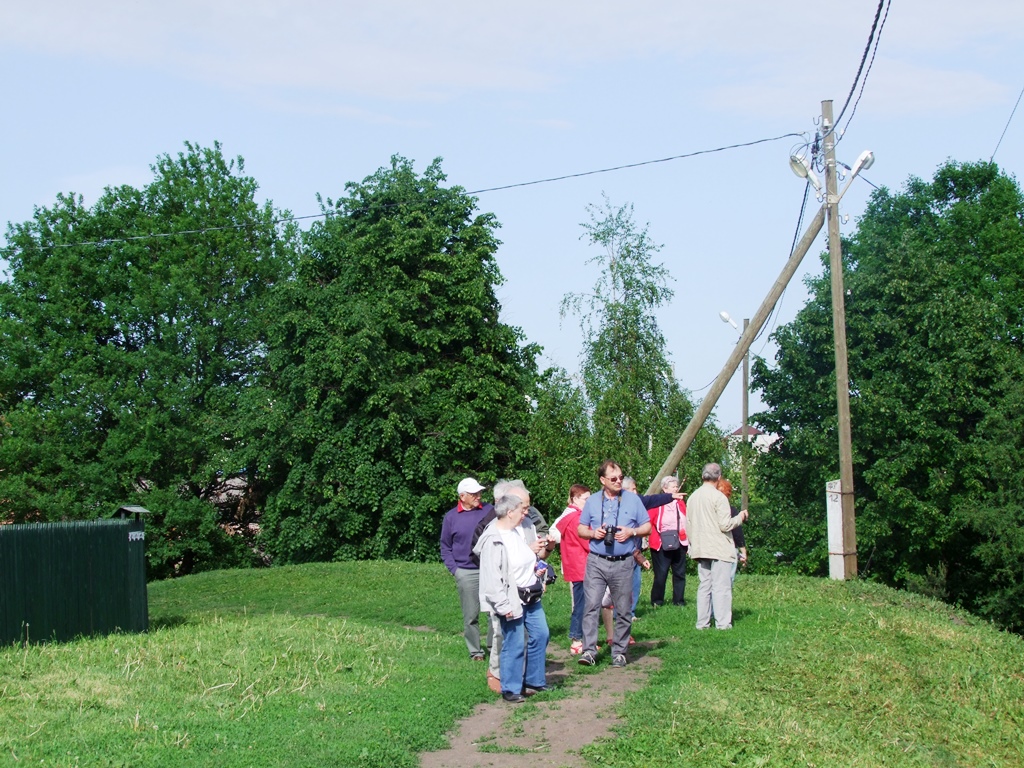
<point>611,520</point>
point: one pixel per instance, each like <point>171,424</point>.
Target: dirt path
<point>495,736</point>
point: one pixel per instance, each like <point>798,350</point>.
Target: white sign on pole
<point>834,512</point>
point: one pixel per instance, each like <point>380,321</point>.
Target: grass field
<point>363,664</point>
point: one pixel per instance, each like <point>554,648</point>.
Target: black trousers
<point>663,562</point>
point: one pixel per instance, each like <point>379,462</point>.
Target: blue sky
<point>313,94</point>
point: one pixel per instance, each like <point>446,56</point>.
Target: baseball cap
<point>469,485</point>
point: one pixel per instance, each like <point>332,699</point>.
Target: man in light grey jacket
<point>708,526</point>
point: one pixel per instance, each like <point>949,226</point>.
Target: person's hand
<point>744,514</point>
<point>538,546</point>
<point>598,533</point>
<point>679,496</point>
<point>625,534</point>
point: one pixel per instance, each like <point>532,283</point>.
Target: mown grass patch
<point>390,592</point>
<point>819,673</point>
<point>363,664</point>
<point>234,677</point>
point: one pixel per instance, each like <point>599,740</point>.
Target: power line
<point>860,176</point>
<point>698,391</point>
<point>864,82</point>
<point>863,59</point>
<point>874,39</point>
<point>777,309</point>
<point>800,219</point>
<point>636,165</point>
<point>792,246</point>
<point>200,231</point>
<point>1007,126</point>
<point>290,219</point>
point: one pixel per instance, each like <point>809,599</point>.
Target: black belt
<point>612,558</point>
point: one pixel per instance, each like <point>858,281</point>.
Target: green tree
<point>935,283</point>
<point>560,443</point>
<point>636,406</point>
<point>393,376</point>
<point>988,572</point>
<point>124,351</point>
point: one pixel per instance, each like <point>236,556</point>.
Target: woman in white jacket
<point>510,589</point>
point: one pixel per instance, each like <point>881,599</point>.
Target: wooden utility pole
<point>835,253</point>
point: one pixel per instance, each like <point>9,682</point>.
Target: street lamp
<point>746,389</point>
<point>801,166</point>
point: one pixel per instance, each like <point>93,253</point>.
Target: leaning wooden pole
<point>742,346</point>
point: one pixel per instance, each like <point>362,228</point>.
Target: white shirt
<point>521,559</point>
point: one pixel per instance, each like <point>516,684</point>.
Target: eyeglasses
<point>616,479</point>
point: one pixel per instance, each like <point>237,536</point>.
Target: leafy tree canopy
<point>560,443</point>
<point>392,375</point>
<point>123,355</point>
<point>935,286</point>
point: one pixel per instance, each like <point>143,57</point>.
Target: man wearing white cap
<point>456,551</point>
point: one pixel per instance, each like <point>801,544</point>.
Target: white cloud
<point>406,50</point>
<point>895,88</point>
<point>907,88</point>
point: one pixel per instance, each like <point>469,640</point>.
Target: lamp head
<point>865,161</point>
<point>726,319</point>
<point>802,168</point>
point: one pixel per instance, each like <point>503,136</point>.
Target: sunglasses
<point>616,479</point>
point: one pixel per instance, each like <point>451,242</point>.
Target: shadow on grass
<point>738,614</point>
<point>168,622</point>
<point>643,647</point>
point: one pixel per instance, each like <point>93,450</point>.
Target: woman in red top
<point>574,559</point>
<point>669,517</point>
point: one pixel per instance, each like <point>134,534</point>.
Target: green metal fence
<point>62,580</point>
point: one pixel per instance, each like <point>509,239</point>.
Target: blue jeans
<point>524,644</point>
<point>578,606</point>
